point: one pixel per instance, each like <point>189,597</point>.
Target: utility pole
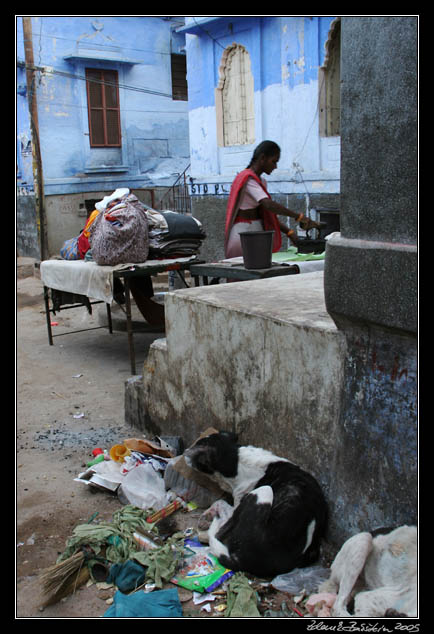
<point>34,127</point>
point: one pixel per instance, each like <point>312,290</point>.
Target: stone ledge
<point>370,282</point>
<point>295,299</point>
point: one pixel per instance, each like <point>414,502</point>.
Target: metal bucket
<point>257,249</point>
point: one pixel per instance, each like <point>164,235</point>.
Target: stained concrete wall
<point>26,227</point>
<point>371,273</point>
<point>371,270</point>
<point>260,358</point>
<point>237,358</point>
<point>266,360</point>
<point>211,211</point>
<point>322,371</point>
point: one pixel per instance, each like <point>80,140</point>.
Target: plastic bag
<point>201,571</point>
<point>144,487</point>
<point>300,579</point>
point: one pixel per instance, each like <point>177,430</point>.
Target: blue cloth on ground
<point>127,576</point>
<point>157,604</point>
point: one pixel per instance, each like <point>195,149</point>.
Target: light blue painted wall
<point>285,55</point>
<point>155,138</point>
<point>24,137</point>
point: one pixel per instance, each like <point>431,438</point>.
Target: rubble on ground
<point>148,560</point>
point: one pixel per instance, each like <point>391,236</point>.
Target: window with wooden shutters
<point>103,107</point>
<point>179,77</point>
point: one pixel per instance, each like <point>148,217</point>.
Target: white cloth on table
<point>90,279</point>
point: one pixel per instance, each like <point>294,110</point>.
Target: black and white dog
<point>279,513</point>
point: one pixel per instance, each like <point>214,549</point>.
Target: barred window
<point>103,107</point>
<point>329,77</point>
<point>235,101</point>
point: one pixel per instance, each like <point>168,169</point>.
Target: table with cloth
<point>288,262</point>
<point>86,280</point>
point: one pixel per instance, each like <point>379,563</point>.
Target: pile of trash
<point>150,570</point>
<point>133,469</point>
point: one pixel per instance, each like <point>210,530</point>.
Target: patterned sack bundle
<point>69,250</point>
<point>120,235</point>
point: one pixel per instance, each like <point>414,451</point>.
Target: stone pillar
<point>370,277</point>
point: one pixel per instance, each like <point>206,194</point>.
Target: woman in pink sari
<point>250,207</point>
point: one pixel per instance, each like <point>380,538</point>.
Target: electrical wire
<point>52,71</point>
<point>102,45</point>
<point>207,33</point>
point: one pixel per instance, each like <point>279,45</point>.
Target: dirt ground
<point>69,400</point>
<point>81,374</point>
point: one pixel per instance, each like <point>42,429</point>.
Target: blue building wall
<point>155,140</point>
<point>24,137</point>
<point>285,55</point>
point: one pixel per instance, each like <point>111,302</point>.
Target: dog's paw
<point>204,521</point>
<point>203,537</point>
<point>220,508</point>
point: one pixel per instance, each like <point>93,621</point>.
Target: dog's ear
<point>230,435</point>
<point>203,458</point>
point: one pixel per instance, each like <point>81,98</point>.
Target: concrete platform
<point>261,358</point>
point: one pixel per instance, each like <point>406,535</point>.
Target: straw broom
<point>62,579</point>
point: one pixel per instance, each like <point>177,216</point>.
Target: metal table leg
<point>47,315</point>
<point>109,318</point>
<point>181,275</point>
<point>129,325</point>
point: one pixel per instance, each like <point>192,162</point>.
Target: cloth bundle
<point>121,230</point>
<point>173,234</point>
<point>116,232</point>
<point>120,233</point>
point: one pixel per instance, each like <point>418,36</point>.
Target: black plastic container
<point>257,249</point>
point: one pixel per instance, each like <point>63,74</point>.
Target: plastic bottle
<point>99,458</point>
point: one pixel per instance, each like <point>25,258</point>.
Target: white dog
<point>379,572</point>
